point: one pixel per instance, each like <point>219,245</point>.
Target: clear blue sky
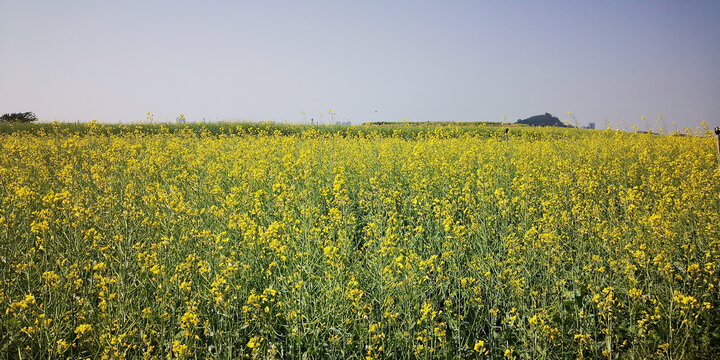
<point>367,60</point>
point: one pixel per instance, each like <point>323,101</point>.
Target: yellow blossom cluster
<point>437,242</point>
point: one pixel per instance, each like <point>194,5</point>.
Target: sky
<point>293,61</point>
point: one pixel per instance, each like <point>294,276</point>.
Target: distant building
<point>180,119</point>
<point>343,123</point>
<point>591,125</point>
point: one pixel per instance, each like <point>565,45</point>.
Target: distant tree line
<point>19,117</point>
<point>542,120</point>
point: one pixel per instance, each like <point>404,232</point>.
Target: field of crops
<point>444,242</point>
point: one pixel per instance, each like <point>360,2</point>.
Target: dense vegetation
<point>402,130</point>
<point>275,241</point>
<point>542,120</point>
<point>25,117</point>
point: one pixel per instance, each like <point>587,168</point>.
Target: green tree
<point>19,117</point>
<point>542,120</point>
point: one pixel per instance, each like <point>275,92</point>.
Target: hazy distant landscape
<point>359,180</point>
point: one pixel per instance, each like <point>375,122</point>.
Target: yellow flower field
<point>445,244</point>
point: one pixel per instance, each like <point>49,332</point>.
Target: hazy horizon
<point>367,61</point>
